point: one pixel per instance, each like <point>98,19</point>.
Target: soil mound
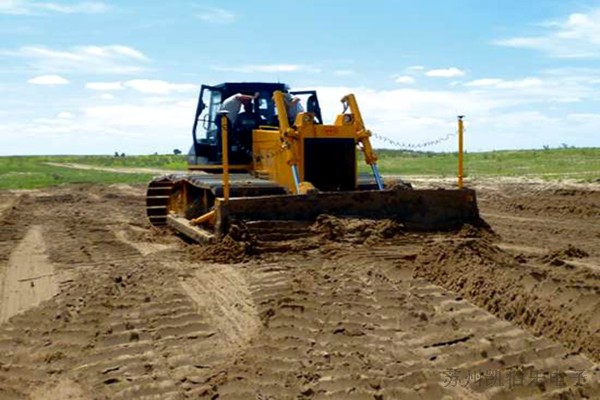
<point>558,202</point>
<point>248,240</point>
<point>549,302</point>
<point>227,250</point>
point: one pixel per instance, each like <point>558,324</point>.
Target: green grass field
<point>581,164</point>
<point>29,172</point>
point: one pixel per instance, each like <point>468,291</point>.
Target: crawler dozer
<point>271,166</point>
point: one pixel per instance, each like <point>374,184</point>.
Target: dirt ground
<point>96,304</point>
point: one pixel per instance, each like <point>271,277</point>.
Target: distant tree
<point>177,152</point>
<point>122,154</point>
<point>116,154</point>
<point>546,147</point>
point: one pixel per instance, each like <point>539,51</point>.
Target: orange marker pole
<point>461,129</point>
<point>225,150</point>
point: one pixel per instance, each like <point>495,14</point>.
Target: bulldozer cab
<point>205,153</point>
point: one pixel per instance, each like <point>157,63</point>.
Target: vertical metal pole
<point>377,176</point>
<point>296,178</point>
<point>225,151</point>
<point>460,151</point>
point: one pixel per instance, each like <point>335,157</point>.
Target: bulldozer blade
<point>425,210</point>
<point>183,226</point>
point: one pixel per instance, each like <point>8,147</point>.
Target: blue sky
<point>95,77</point>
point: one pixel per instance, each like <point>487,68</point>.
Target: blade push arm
<point>363,137</point>
<point>288,132</point>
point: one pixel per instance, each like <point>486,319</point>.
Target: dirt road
<point>97,305</point>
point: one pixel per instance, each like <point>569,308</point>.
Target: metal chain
<point>414,145</point>
<point>272,154</point>
<point>268,155</point>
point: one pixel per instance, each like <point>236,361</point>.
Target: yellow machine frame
<point>279,156</point>
<point>278,151</point>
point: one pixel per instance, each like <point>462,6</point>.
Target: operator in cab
<point>233,105</point>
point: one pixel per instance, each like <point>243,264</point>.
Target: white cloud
<point>484,82</point>
<point>539,91</point>
<point>154,86</point>
<point>215,15</point>
<point>113,51</point>
<point>501,113</point>
<point>445,73</point>
<point>405,79</point>
<point>506,84</point>
<point>104,86</point>
<point>26,7</point>
<point>577,36</point>
<point>496,118</point>
<point>113,59</point>
<point>86,7</point>
<point>48,80</point>
<point>498,113</point>
<point>521,83</point>
<point>15,7</point>
<point>134,127</point>
<point>148,86</point>
<point>267,68</point>
<point>175,114</point>
<point>65,115</point>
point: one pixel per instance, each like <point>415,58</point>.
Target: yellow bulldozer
<point>277,160</point>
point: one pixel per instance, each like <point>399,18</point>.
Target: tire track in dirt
<point>28,279</point>
<point>123,326</point>
<point>545,216</point>
<point>6,203</point>
<point>120,170</point>
<point>342,319</point>
<point>548,299</point>
<point>222,293</point>
<point>359,326</point>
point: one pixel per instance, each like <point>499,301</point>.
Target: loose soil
<point>97,304</point>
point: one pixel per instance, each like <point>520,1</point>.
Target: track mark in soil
<point>343,318</point>
<point>64,389</point>
<point>145,248</point>
<point>592,264</point>
<point>518,248</point>
<point>545,295</point>
<point>222,294</point>
<point>6,204</point>
<point>358,325</point>
<point>29,277</point>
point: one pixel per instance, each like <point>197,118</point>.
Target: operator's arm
<point>243,97</point>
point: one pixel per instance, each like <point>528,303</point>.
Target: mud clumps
<point>235,247</point>
<point>355,230</point>
<point>398,184</point>
<point>226,251</point>
<point>253,239</point>
<point>477,231</point>
<point>557,258</point>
